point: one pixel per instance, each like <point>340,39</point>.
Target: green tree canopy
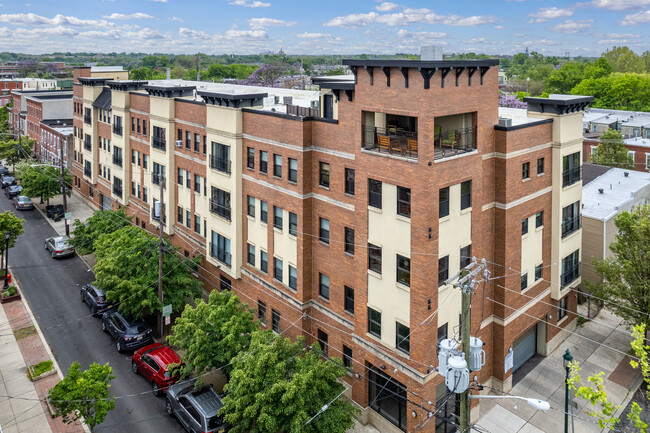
<point>101,222</point>
<point>623,59</point>
<point>127,269</point>
<point>565,78</point>
<point>84,394</point>
<point>211,334</point>
<point>625,285</point>
<point>11,152</point>
<point>611,151</point>
<point>42,181</point>
<point>278,385</point>
<point>9,222</point>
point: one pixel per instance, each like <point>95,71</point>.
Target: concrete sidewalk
<point>546,382</point>
<point>77,206</point>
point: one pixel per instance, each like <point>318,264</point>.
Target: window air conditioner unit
<point>287,100</point>
<point>179,143</point>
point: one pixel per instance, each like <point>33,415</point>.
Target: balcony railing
<point>117,190</point>
<point>222,255</point>
<point>220,209</point>
<point>391,140</point>
<point>571,176</point>
<point>454,142</point>
<point>570,225</point>
<point>117,129</point>
<point>220,164</point>
<point>159,143</point>
<point>88,145</point>
<point>87,120</point>
<point>156,178</point>
<point>570,275</point>
<point>117,160</point>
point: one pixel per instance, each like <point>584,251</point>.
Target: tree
<point>11,152</point>
<point>625,276</point>
<point>611,151</point>
<point>565,78</point>
<point>511,101</point>
<point>42,181</point>
<point>101,222</point>
<point>623,59</point>
<point>646,59</point>
<point>84,395</point>
<point>211,334</point>
<point>599,68</point>
<point>266,76</point>
<point>127,270</point>
<point>9,222</point>
<point>278,385</point>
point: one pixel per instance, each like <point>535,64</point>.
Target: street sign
<point>168,320</point>
<point>68,215</point>
<point>167,310</point>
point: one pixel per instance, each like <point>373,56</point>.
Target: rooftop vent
<point>601,190</point>
<point>626,173</point>
<point>505,121</point>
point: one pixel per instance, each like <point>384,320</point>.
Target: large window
<point>404,201</point>
<point>158,140</point>
<point>324,174</point>
<point>570,219</point>
<point>220,248</point>
<point>324,286</point>
<point>349,241</point>
<point>570,268</point>
<point>403,270</point>
<point>220,203</point>
<point>220,157</point>
<point>571,169</point>
<point>374,193</point>
<point>443,202</point>
<point>443,270</point>
<point>324,231</point>
<point>348,304</point>
<point>293,170</point>
<point>402,337</point>
<point>387,397</point>
<point>349,181</point>
<point>374,322</point>
<point>466,195</point>
<point>374,258</point>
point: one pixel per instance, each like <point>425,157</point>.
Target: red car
<point>152,362</point>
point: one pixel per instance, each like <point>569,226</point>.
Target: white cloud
<point>319,36</point>
<point>158,1</point>
<point>352,21</point>
<point>57,20</point>
<point>250,4</point>
<point>570,26</point>
<point>246,34</point>
<point>421,35</point>
<point>619,5</point>
<point>408,16</point>
<point>175,18</point>
<point>636,18</point>
<point>387,7</point>
<point>260,23</point>
<point>477,41</point>
<point>194,34</point>
<point>499,27</point>
<point>135,16</point>
<point>550,13</point>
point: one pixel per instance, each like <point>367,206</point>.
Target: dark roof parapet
<point>561,105</point>
<point>126,86</point>
<point>88,81</point>
<point>232,100</point>
<point>170,91</point>
<point>424,64</point>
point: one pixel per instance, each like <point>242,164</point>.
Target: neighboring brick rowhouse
<point>439,137</point>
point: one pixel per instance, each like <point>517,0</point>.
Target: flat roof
<point>637,141</point>
<point>107,69</point>
<point>618,190</point>
<point>426,64</point>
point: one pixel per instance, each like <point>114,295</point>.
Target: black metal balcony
<point>156,178</point>
<point>570,275</point>
<point>87,120</point>
<point>220,209</point>
<point>220,164</point>
<point>222,255</point>
<point>391,140</point>
<point>159,143</point>
<point>117,160</point>
<point>117,190</point>
<point>571,176</point>
<point>117,129</point>
<point>571,225</point>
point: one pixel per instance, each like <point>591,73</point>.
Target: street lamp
<point>7,236</point>
<point>567,360</point>
<point>527,81</point>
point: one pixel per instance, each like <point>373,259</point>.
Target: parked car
<point>59,246</point>
<point>4,171</point>
<point>95,298</point>
<point>22,202</point>
<point>152,362</point>
<point>197,410</point>
<point>128,333</point>
<point>8,181</point>
<point>13,190</point>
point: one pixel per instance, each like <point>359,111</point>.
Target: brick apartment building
<point>342,227</point>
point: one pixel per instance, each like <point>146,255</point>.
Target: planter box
<point>42,375</point>
<point>15,297</point>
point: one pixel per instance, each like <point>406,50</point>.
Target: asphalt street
<point>51,288</point>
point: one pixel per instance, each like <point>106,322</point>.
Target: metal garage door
<point>106,202</point>
<point>524,348</point>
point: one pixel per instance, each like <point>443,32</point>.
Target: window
<point>466,195</point>
<point>539,219</point>
<point>349,181</point>
<point>571,169</point>
<point>197,183</point>
<point>293,170</point>
<point>224,283</point>
<point>349,241</point>
<point>293,278</point>
<point>197,224</point>
<point>261,311</point>
<point>277,217</point>
<point>180,215</point>
<point>179,135</point>
<point>402,337</point>
<point>263,211</point>
<point>188,219</point>
<point>250,158</point>
<point>220,203</point>
<point>561,308</point>
<point>188,140</point>
<point>275,320</point>
<point>465,256</point>
<point>443,270</point>
<point>374,322</point>
<point>322,340</point>
<point>251,255</point>
<point>324,231</point>
<point>220,157</point>
<point>570,219</point>
<point>524,226</point>
<point>277,269</point>
<point>277,165</point>
<point>348,302</point>
<point>293,224</point>
<point>139,128</point>
<point>145,195</point>
<point>404,270</point>
<point>374,193</point>
<point>264,162</point>
<point>647,161</point>
<point>188,179</point>
<point>144,127</point>
<point>159,138</point>
<point>132,122</point>
<point>145,161</point>
<point>197,142</point>
<point>388,398</point>
<point>525,170</point>
<point>443,202</point>
<point>205,144</point>
<point>524,281</point>
<point>264,262</point>
<point>220,248</point>
<point>347,356</point>
<point>324,174</point>
<point>324,286</point>
<point>442,332</point>
<point>251,206</point>
<point>540,166</point>
<point>538,272</point>
<point>570,268</point>
<point>374,258</point>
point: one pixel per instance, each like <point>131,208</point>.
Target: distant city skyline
<point>502,27</point>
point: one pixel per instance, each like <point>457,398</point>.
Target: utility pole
<point>161,243</point>
<point>65,199</point>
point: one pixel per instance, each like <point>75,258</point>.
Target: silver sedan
<point>59,246</point>
<point>22,202</point>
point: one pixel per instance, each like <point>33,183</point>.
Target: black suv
<point>129,334</point>
<point>95,298</point>
<point>8,181</point>
<point>197,410</point>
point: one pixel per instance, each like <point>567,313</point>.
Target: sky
<point>324,27</point>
